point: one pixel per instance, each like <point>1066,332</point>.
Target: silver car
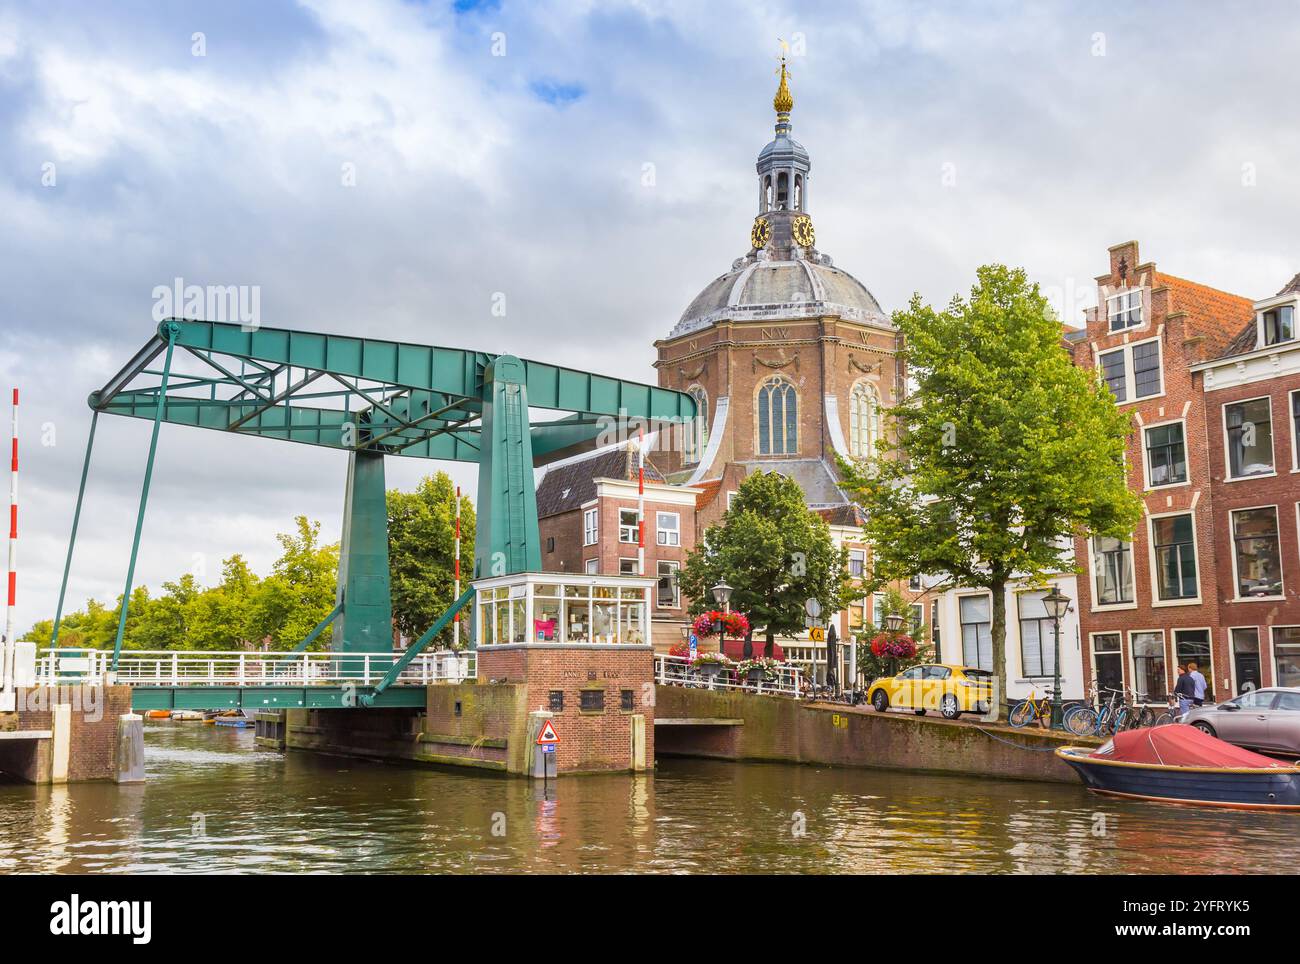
<point>1264,719</point>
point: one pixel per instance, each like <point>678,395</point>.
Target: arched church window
<point>798,192</point>
<point>864,419</point>
<point>782,190</point>
<point>767,193</point>
<point>696,436</point>
<point>778,417</point>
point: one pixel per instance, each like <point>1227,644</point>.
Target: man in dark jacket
<point>1185,690</point>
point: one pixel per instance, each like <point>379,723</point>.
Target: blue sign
<point>694,644</point>
<point>548,747</point>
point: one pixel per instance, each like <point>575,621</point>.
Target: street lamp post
<point>1057,604</point>
<point>722,596</point>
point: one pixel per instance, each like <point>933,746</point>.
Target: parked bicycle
<point>1030,710</point>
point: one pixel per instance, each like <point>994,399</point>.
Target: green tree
<point>775,552</point>
<point>1004,451</point>
<point>299,593</point>
<point>890,603</point>
<point>421,537</point>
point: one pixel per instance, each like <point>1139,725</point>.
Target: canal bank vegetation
<point>277,610</point>
<point>1000,455</point>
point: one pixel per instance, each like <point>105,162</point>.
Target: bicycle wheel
<point>1164,719</point>
<point>1121,720</point>
<point>1081,721</point>
<point>1022,713</point>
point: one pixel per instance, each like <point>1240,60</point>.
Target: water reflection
<point>215,803</point>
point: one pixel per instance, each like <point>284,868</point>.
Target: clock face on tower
<point>761,233</point>
<point>802,230</point>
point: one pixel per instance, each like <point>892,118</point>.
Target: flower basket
<point>709,665</point>
<point>758,669</point>
<point>734,624</point>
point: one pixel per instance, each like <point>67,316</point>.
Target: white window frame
<point>592,567</point>
<point>731,497</point>
<point>1292,400</point>
<point>624,529</point>
<point>1124,674</point>
<point>1295,324</point>
<point>859,556</point>
<point>1156,601</point>
<point>1262,638</point>
<point>1232,548</point>
<point>677,590</point>
<point>1130,379</point>
<point>1132,656</point>
<point>1146,459</point>
<point>1227,442</point>
<point>590,526</point>
<point>1121,303</point>
<point>1097,605</point>
<point>633,560</point>
<point>668,537</point>
<point>1207,672</point>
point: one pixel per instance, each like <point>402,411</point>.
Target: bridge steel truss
<point>372,398</point>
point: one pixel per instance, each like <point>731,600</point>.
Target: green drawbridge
<point>373,398</point>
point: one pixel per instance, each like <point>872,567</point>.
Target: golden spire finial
<point>783,102</point>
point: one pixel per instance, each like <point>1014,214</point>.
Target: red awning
<point>1180,745</point>
<point>735,648</point>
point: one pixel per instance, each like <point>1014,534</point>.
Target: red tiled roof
<point>709,490</point>
<point>1215,315</point>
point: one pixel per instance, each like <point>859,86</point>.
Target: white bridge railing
<point>785,680</point>
<point>170,667</point>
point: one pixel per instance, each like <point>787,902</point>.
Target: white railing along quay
<point>172,667</point>
<point>785,680</point>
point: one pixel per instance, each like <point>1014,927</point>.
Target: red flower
<point>734,624</point>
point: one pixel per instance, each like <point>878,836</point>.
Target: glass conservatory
<point>552,607</point>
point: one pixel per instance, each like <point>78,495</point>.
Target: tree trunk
<point>999,633</point>
<point>770,644</point>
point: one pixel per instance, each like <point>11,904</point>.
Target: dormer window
<point>1278,324</point>
<point>1125,309</point>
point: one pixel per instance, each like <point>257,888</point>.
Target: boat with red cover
<point>1181,764</point>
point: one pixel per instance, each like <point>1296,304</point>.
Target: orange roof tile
<point>1215,315</point>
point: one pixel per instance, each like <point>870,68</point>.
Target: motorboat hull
<point>1241,788</point>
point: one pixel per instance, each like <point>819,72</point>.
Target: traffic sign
<point>548,736</point>
<point>548,747</point>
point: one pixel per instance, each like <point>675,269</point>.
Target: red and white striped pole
<point>8,699</point>
<point>640,528</point>
<point>455,625</point>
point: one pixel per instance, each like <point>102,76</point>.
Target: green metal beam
<point>506,539</point>
<point>417,647</point>
<point>170,332</point>
<point>72,539</point>
<point>366,625</point>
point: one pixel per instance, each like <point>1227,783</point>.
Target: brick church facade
<point>790,360</point>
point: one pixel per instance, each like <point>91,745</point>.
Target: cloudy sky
<point>392,168</point>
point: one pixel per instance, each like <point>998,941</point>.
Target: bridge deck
<point>212,680</point>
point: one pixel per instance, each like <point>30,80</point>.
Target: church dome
<point>783,276</point>
<point>764,290</point>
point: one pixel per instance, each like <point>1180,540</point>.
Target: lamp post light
<point>894,622</point>
<point>1057,604</point>
<point>722,596</point>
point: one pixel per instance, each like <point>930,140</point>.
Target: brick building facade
<point>1183,359</point>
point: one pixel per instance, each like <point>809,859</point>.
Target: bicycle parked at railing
<point>1104,713</point>
<point>1032,709</point>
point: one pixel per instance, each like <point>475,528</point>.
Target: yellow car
<point>950,689</point>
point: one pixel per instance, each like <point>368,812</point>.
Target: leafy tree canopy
<point>775,552</point>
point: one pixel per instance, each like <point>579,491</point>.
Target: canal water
<point>215,803</point>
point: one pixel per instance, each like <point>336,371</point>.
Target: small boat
<point>236,721</point>
<point>158,714</point>
<point>186,715</point>
<point>1181,764</point>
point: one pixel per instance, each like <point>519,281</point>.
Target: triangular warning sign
<point>547,735</point>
